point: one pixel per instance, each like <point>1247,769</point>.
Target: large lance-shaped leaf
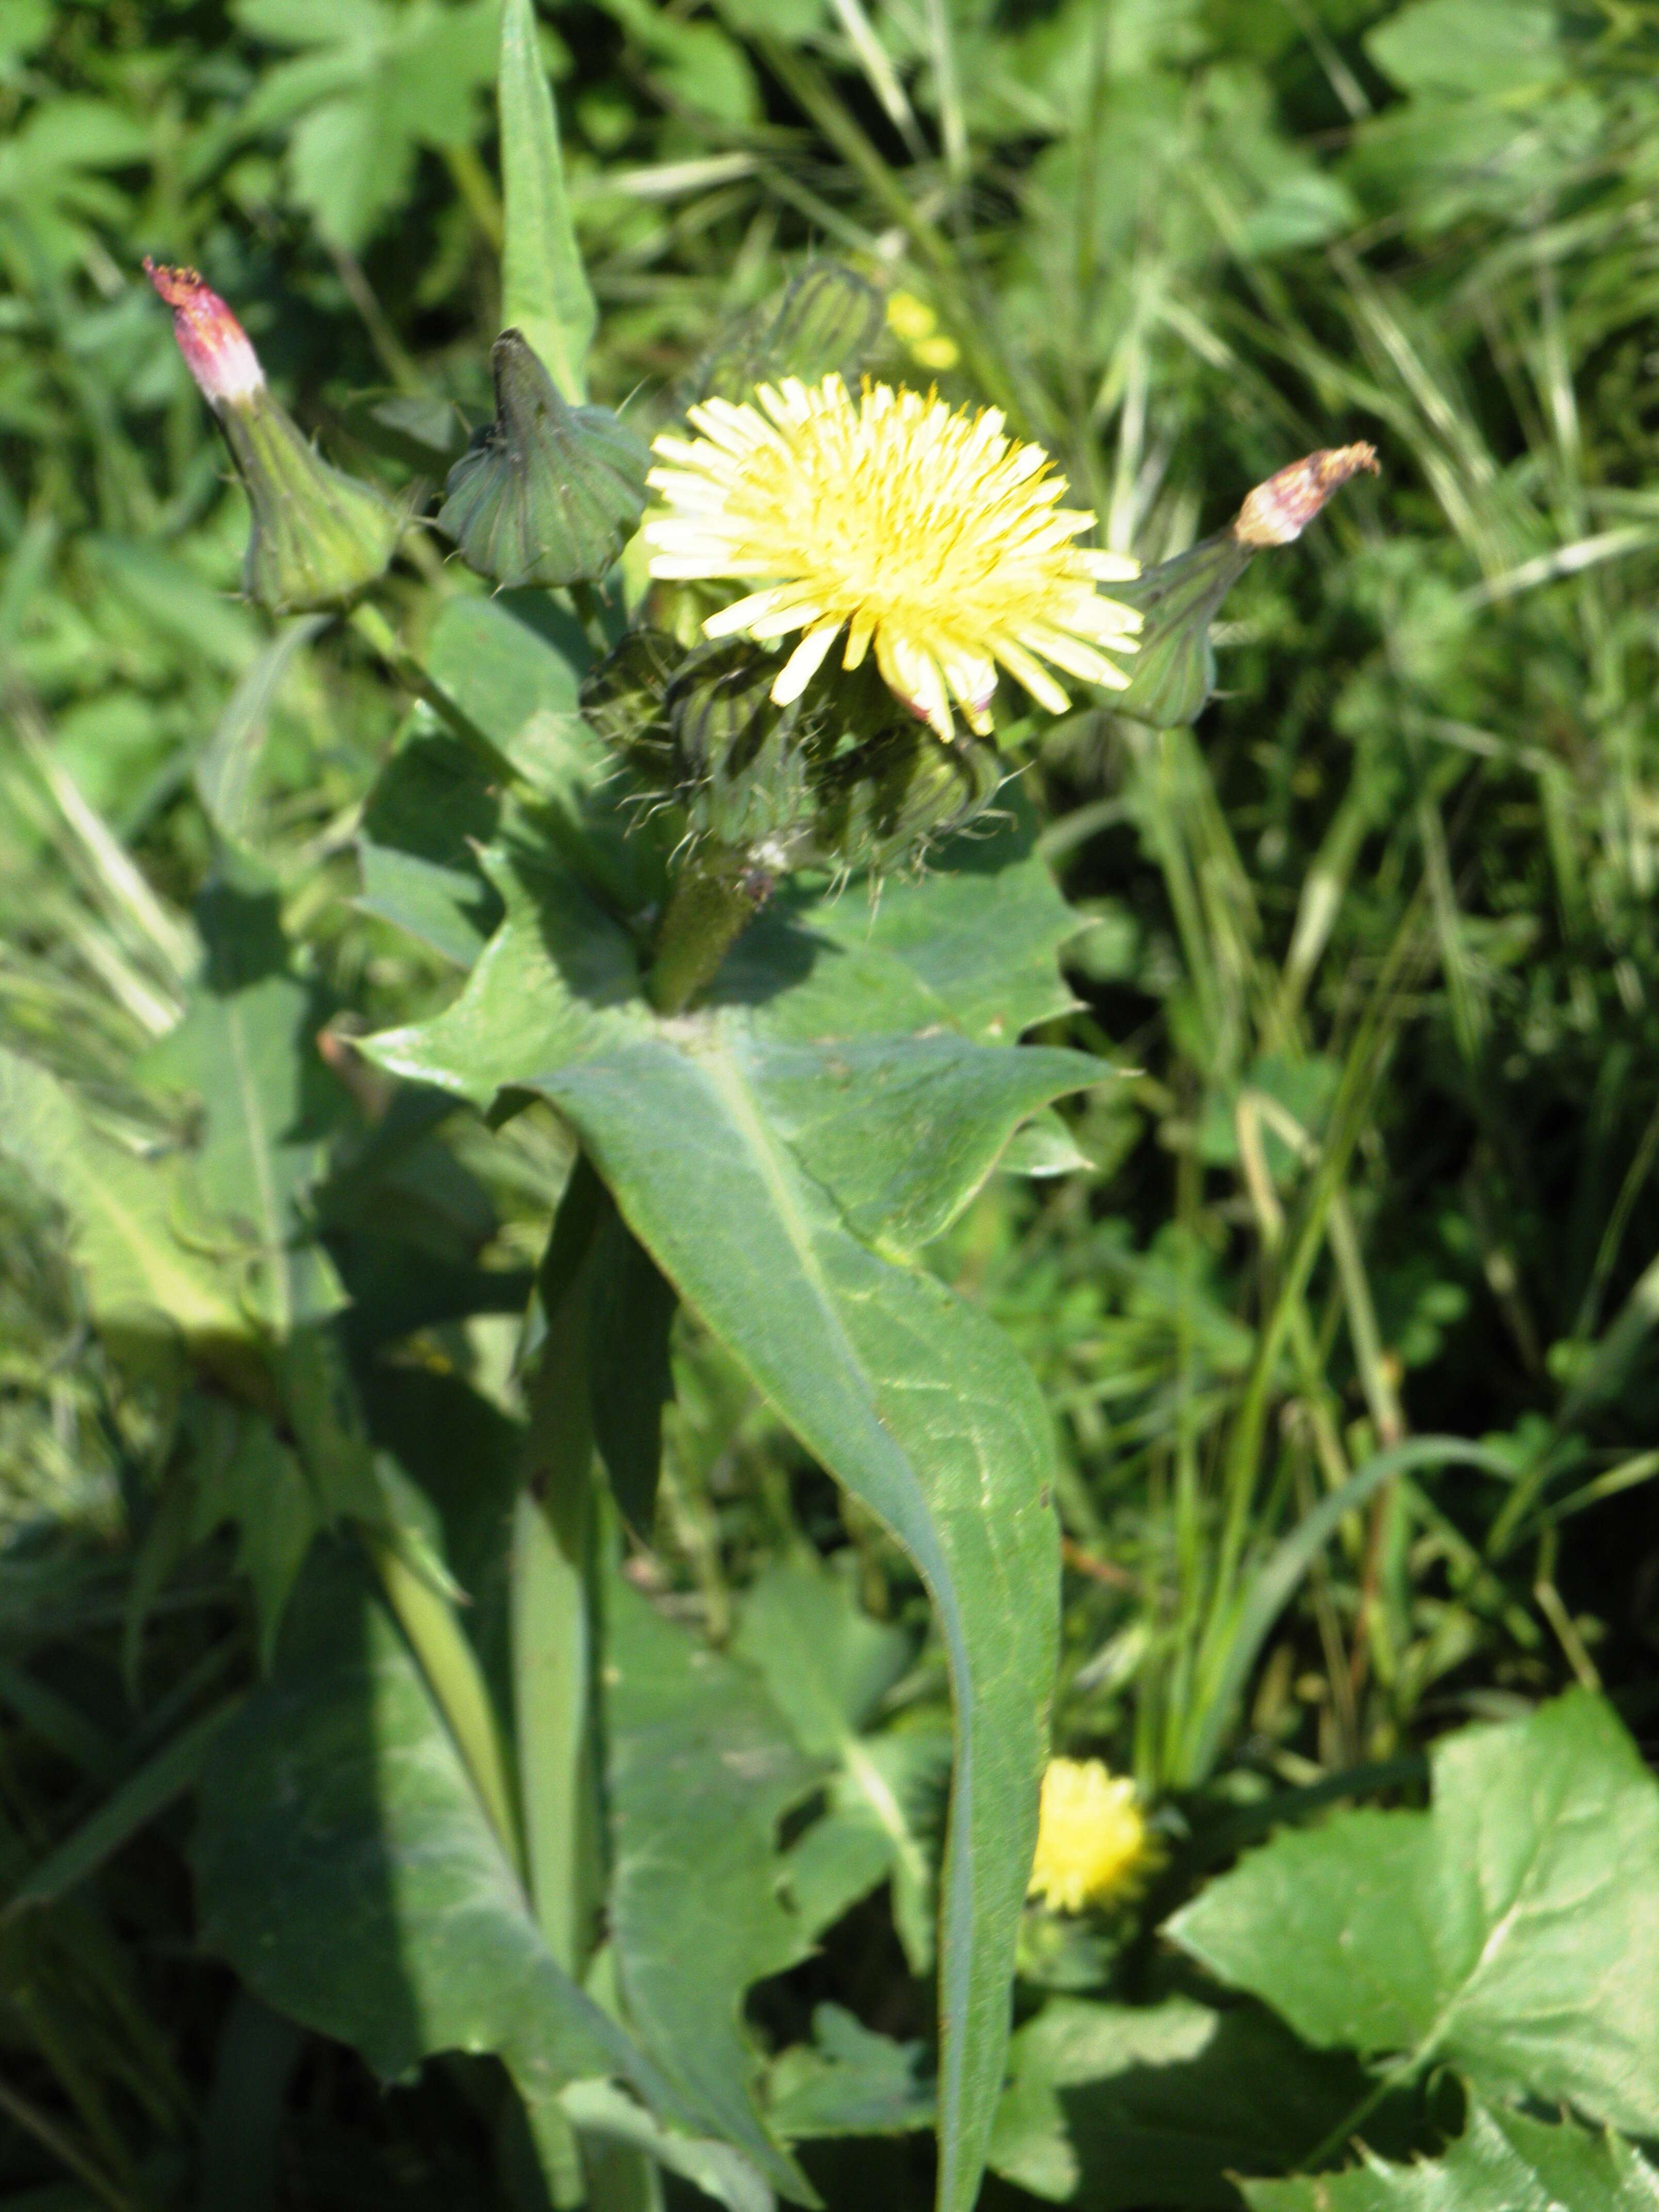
<point>544,287</point>
<point>925,1410</point>
<point>903,1130</point>
<point>1509,1931</point>
<point>1503,2162</point>
<point>700,1770</point>
<point>347,1870</point>
<point>912,1399</point>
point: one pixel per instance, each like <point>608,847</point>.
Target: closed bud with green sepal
<point>548,494</point>
<point>881,806</point>
<point>826,321</point>
<point>1173,674</point>
<point>839,779</point>
<point>319,538</point>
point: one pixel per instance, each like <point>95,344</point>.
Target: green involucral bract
<point>1173,673</point>
<point>319,538</point>
<point>842,779</point>
<point>826,322</point>
<point>549,494</point>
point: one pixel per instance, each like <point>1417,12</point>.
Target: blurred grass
<point>1375,944</point>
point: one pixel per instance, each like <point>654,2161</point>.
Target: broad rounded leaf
<point>1509,1931</point>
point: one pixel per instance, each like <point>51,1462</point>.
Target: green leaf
<point>704,66</point>
<point>247,1055</point>
<point>1503,2162</point>
<point>970,946</point>
<point>1120,2106</point>
<point>544,288</point>
<point>345,1866</point>
<point>911,1399</point>
<point>1480,49</point>
<point>883,1821</point>
<point>904,1130</point>
<point>700,1770</point>
<point>827,1667</point>
<point>1507,1931</point>
<point>241,1472</point>
<point>923,1409</point>
<point>378,82</point>
<point>847,2081</point>
<point>141,1280</point>
<point>430,809</point>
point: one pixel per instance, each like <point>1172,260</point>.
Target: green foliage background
<point>1340,1291</point>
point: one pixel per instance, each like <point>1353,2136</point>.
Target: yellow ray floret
<point>919,531</point>
<point>1094,1846</point>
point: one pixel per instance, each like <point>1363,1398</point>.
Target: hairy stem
<point>712,901</point>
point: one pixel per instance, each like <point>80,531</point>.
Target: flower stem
<point>713,898</point>
<point>377,633</point>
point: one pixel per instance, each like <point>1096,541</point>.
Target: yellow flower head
<point>1093,1844</point>
<point>912,526</point>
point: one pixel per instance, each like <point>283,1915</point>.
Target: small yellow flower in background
<point>915,326</point>
<point>1094,1846</point>
<point>918,529</point>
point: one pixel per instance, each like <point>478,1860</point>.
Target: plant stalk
<point>712,901</point>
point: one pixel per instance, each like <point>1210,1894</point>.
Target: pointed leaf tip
<point>544,287</point>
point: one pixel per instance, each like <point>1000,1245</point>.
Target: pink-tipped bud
<point>214,344</point>
<point>318,538</point>
<point>1280,510</point>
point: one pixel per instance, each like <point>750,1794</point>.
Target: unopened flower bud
<point>319,538</point>
<point>1173,674</point>
<point>843,778</point>
<point>548,494</point>
<point>1280,510</point>
<point>882,805</point>
<point>826,321</point>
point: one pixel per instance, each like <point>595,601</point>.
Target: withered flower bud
<point>1278,511</point>
<point>1173,675</point>
<point>548,494</point>
<point>319,538</point>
